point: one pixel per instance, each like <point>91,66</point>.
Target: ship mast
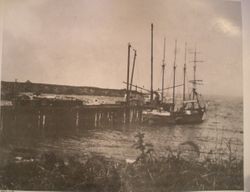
<point>163,70</point>
<point>175,51</point>
<point>195,61</point>
<point>151,92</point>
<point>133,68</point>
<point>194,80</point>
<point>128,66</point>
<point>184,73</point>
<point>128,91</point>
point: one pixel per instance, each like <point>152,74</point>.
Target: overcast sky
<point>84,42</point>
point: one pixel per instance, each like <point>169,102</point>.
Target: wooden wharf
<point>26,119</point>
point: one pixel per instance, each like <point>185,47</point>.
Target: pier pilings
<point>53,120</point>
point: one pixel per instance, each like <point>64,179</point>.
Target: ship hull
<point>193,118</point>
<point>157,119</point>
<point>176,118</point>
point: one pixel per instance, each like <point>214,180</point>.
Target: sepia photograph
<point>121,95</point>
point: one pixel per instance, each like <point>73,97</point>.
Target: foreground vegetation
<point>148,172</point>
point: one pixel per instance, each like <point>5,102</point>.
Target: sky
<point>84,43</point>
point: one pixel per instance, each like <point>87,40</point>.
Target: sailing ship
<point>192,110</point>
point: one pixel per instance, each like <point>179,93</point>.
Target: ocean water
<point>219,135</point>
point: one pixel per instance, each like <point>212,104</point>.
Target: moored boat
<point>191,111</point>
